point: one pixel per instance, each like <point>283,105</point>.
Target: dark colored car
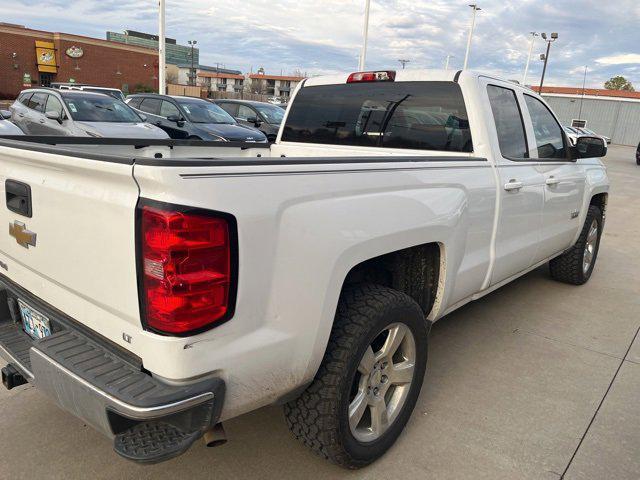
<point>263,116</point>
<point>193,118</point>
<point>638,155</point>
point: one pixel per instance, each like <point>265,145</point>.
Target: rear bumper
<point>97,380</point>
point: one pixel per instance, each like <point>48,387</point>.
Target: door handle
<point>513,186</point>
<point>21,115</point>
<point>42,121</point>
<point>551,181</point>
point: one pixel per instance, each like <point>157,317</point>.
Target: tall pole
<point>161,51</point>
<point>475,8</point>
<point>526,67</point>
<point>446,62</point>
<point>363,54</point>
<point>544,69</point>
<point>584,82</point>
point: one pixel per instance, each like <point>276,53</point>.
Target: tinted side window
<point>548,133</point>
<point>134,102</point>
<point>37,101</point>
<point>509,125</point>
<point>167,109</point>
<point>54,105</point>
<point>230,108</point>
<point>245,112</point>
<point>150,105</point>
<point>24,98</point>
<point>416,115</point>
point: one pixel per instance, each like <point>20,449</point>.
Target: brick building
<point>37,58</point>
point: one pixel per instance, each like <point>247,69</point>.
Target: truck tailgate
<point>75,249</point>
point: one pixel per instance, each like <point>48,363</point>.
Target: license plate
<point>34,323</point>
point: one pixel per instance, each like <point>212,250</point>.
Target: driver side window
<point>245,113</point>
<point>548,133</point>
<point>167,109</point>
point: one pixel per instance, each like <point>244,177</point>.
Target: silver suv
<point>44,111</point>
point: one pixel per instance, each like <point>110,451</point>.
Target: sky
<point>325,36</point>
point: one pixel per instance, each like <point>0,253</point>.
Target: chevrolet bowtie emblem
<point>24,237</point>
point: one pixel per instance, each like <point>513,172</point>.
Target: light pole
<point>404,62</point>
<point>584,82</point>
<point>475,9</point>
<point>161,51</point>
<point>363,54</point>
<point>446,62</point>
<point>554,37</point>
<point>193,70</point>
<point>526,67</point>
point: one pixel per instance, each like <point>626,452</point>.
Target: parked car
<point>572,134</point>
<point>193,118</point>
<point>158,297</point>
<point>586,131</point>
<point>7,127</point>
<point>113,92</point>
<point>263,116</point>
<point>45,111</point>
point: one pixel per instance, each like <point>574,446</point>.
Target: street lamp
<point>161,49</point>
<point>545,57</point>
<point>193,71</point>
<point>363,54</point>
<point>475,9</point>
<point>404,62</point>
<point>526,67</point>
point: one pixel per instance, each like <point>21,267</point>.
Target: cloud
<point>622,59</point>
<point>325,36</point>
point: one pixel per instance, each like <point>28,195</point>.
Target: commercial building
<point>613,113</point>
<point>36,58</point>
<point>175,54</point>
<point>274,85</point>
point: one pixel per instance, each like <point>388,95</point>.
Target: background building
<point>279,86</point>
<point>37,58</point>
<point>613,113</point>
<point>213,78</point>
<point>175,54</point>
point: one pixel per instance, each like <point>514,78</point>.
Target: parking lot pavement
<point>532,381</point>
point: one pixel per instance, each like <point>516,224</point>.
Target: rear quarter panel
<point>301,229</point>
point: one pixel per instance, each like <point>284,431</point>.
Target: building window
<point>46,79</point>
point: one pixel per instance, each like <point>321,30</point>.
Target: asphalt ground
<point>538,380</point>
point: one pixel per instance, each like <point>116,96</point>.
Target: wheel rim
<point>590,247</point>
<point>382,382</point>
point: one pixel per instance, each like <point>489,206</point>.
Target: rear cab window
<point>508,121</point>
<point>404,115</point>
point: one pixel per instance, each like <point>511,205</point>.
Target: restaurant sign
<point>74,52</point>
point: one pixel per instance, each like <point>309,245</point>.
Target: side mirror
<point>176,119</point>
<point>143,117</point>
<point>52,115</point>
<point>255,120</point>
<point>5,114</point>
<point>589,147</point>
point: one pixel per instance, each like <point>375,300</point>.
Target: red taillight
<point>186,263</point>
<point>383,76</point>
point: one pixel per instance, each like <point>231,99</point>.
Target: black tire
<point>319,416</point>
<point>568,267</point>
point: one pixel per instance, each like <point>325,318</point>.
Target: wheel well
<point>600,200</point>
<point>414,271</point>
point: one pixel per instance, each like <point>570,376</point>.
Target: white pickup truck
<point>156,288</point>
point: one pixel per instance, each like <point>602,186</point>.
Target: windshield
<point>206,112</point>
<point>99,108</point>
<point>271,114</point>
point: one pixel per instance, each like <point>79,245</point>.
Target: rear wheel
<point>369,379</point>
<point>576,265</point>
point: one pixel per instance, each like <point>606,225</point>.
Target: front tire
<point>576,265</point>
<point>369,379</point>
